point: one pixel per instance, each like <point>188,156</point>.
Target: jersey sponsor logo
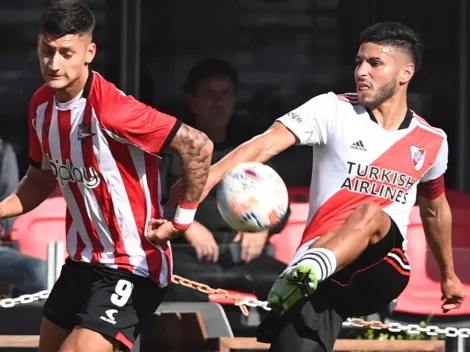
<point>417,156</point>
<point>295,116</point>
<point>109,318</point>
<point>65,173</point>
<point>379,182</point>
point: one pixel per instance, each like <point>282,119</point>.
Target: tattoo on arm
<point>195,151</point>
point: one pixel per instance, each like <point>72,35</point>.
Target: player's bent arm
<point>260,148</point>
<point>32,190</point>
<point>195,151</point>
<point>437,223</point>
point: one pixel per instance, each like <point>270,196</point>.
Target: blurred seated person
<point>212,252</point>
<point>19,273</point>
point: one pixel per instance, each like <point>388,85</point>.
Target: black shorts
<point>369,284</point>
<point>115,303</point>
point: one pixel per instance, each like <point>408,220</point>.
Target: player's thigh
<point>67,296</point>
<point>372,255</point>
<point>119,305</point>
<point>86,340</point>
<point>51,336</point>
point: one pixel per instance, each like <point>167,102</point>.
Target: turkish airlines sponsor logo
<point>379,182</point>
<point>65,173</point>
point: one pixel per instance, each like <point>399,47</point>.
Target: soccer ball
<point>252,197</point>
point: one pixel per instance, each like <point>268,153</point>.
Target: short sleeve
<point>440,165</point>
<point>36,157</point>
<point>313,122</point>
<point>129,121</point>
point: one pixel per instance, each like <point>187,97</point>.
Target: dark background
<point>285,51</point>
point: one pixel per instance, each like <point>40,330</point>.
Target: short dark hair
<point>67,17</point>
<point>206,69</point>
<point>397,35</point>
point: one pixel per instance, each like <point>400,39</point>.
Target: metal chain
<point>24,299</point>
<point>212,291</point>
<point>413,329</point>
<point>243,302</point>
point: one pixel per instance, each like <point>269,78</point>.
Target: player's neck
<point>68,93</point>
<point>391,113</point>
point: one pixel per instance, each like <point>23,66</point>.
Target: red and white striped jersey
<point>103,148</point>
<point>355,160</point>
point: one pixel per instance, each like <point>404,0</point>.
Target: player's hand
<point>159,231</point>
<point>453,293</point>
<point>252,244</point>
<point>203,242</point>
<point>295,283</point>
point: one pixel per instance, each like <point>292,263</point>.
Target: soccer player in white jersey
<point>102,147</point>
<point>372,157</point>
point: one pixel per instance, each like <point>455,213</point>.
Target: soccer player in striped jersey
<point>102,147</point>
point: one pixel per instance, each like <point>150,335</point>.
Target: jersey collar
<point>89,81</point>
<point>404,124</point>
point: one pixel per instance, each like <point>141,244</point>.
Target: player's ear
<point>90,53</point>
<point>407,73</point>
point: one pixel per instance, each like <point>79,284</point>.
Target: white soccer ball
<point>252,197</point>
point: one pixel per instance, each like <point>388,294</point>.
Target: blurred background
<point>274,55</point>
<point>285,51</point>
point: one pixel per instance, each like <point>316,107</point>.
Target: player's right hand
<point>159,231</point>
<point>203,242</point>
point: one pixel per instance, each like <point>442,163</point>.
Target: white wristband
<point>184,216</point>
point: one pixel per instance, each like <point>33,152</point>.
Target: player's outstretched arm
<point>195,151</point>
<point>260,148</point>
<point>437,224</point>
<point>32,190</point>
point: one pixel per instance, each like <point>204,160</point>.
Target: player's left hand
<point>453,293</point>
<point>252,244</point>
<point>159,231</point>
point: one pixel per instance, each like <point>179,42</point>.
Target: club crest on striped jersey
<point>84,132</point>
<point>417,157</point>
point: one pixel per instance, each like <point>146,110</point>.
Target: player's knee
<point>367,216</point>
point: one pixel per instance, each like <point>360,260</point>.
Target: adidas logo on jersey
<point>358,146</point>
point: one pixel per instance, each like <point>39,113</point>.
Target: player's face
<point>214,101</point>
<point>63,60</point>
<point>380,70</point>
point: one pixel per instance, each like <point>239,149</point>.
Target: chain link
<point>243,302</point>
<point>24,299</point>
<point>413,329</point>
<point>212,291</point>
